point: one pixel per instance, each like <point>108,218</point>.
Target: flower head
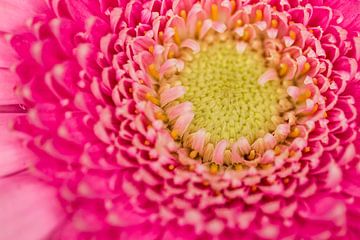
<point>190,119</point>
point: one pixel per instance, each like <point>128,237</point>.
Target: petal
<point>14,13</point>
<point>13,154</point>
<point>29,208</point>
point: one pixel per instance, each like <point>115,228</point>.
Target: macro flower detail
<point>161,119</point>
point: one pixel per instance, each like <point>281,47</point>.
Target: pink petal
<point>29,209</point>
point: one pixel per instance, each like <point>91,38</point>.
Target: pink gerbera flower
<point>180,119</point>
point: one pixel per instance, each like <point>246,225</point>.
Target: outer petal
<point>350,11</point>
<point>29,209</point>
<point>13,155</point>
<point>14,13</point>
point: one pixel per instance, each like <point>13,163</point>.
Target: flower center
<point>228,102</point>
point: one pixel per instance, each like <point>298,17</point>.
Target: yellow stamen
<point>183,14</point>
<point>315,108</point>
<point>233,5</point>
<point>307,149</point>
<point>283,69</point>
<point>153,72</point>
<point>198,28</point>
<point>277,150</point>
<point>291,22</point>
<point>171,167</point>
<point>151,49</point>
<point>238,167</point>
<point>174,134</point>
<point>305,95</point>
<point>253,188</point>
<point>295,132</point>
<point>214,12</point>
<point>274,23</point>
<point>141,81</point>
<point>306,68</point>
<point>176,36</point>
<point>214,168</point>
<point>147,143</point>
<point>161,116</point>
<point>266,166</point>
<point>206,183</point>
<point>292,35</point>
<point>161,35</point>
<point>325,115</point>
<point>286,180</point>
<point>251,155</point>
<point>193,154</point>
<point>191,167</point>
<point>292,153</point>
<point>246,36</point>
<point>239,23</point>
<point>259,15</point>
<point>152,99</point>
<point>131,90</point>
<point>171,54</point>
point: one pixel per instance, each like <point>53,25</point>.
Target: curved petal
<point>29,209</point>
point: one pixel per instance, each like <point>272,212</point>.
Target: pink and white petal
<point>29,208</point>
<point>8,81</point>
<point>15,13</point>
<point>350,11</point>
<point>14,156</point>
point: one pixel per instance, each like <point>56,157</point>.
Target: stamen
<point>306,68</point>
<point>283,69</point>
<point>171,54</point>
<point>233,6</point>
<point>238,167</point>
<point>171,167</point>
<point>292,35</point>
<point>292,153</point>
<point>198,28</point>
<point>315,108</point>
<point>307,149</point>
<point>161,36</point>
<point>152,99</point>
<point>246,36</point>
<point>259,15</point>
<point>151,49</point>
<point>274,23</point>
<point>239,23</point>
<point>214,12</point>
<point>251,155</point>
<point>277,150</point>
<point>295,132</point>
<point>176,37</point>
<point>183,14</point>
<point>193,154</point>
<point>161,116</point>
<point>306,95</point>
<point>214,168</point>
<point>153,72</point>
<point>174,134</point>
